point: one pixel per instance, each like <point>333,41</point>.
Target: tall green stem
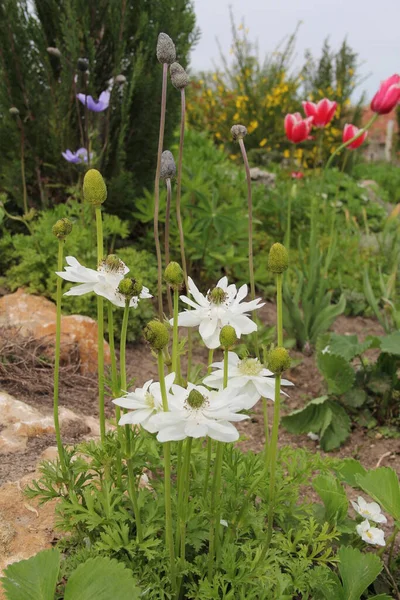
<point>250,233</point>
<point>216,496</point>
<point>157,190</point>
<point>185,498</point>
<point>209,440</point>
<point>359,134</point>
<point>167,478</point>
<point>100,328</point>
<point>115,384</point>
<point>175,338</point>
<point>129,459</point>
<point>24,192</point>
<point>60,446</point>
<point>167,227</point>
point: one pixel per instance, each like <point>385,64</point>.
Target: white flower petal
<point>79,290</point>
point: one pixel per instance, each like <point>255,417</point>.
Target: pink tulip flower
<point>387,97</point>
<point>297,129</point>
<point>323,112</point>
<point>349,132</point>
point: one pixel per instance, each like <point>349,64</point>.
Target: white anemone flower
<point>144,403</point>
<point>197,412</point>
<point>247,376</point>
<point>104,281</point>
<point>371,535</point>
<point>219,307</point>
<point>369,510</point>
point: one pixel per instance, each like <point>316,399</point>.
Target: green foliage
<point>109,34</point>
<point>374,388</point>
<point>100,578</point>
<point>31,260</point>
<point>357,572</point>
<point>383,486</point>
<point>385,174</point>
<point>33,579</point>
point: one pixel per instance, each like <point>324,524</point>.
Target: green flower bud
<point>227,337</point>
<point>216,295</point>
<point>130,287</point>
<point>195,399</point>
<point>278,360</point>
<point>94,188</point>
<point>173,275</point>
<point>179,77</point>
<point>157,334</point>
<point>167,167</point>
<point>166,52</point>
<point>278,258</point>
<point>62,228</point>
<point>238,132</point>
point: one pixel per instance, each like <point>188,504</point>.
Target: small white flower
<point>196,412</point>
<point>325,350</point>
<point>247,376</point>
<point>224,523</point>
<point>144,403</point>
<point>313,436</point>
<point>221,306</point>
<point>103,282</point>
<point>371,535</point>
<point>369,510</point>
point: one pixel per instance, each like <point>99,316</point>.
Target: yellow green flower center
<point>250,366</point>
<point>149,399</point>
<point>195,399</point>
<point>217,296</point>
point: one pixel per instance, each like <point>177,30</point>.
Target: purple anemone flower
<point>96,105</point>
<point>79,156</point>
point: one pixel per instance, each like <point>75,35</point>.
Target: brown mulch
<point>80,394</point>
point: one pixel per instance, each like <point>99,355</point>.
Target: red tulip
<point>297,175</point>
<point>349,132</point>
<point>323,112</point>
<point>387,96</point>
<point>297,129</point>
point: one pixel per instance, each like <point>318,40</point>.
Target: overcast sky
<point>372,28</point>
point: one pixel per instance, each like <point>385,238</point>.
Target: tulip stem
<point>157,189</point>
<point>100,328</point>
<point>351,140</point>
<point>167,477</point>
<point>60,446</point>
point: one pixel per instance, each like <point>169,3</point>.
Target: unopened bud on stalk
<point>179,77</point>
<point>227,337</point>
<point>94,188</point>
<point>54,51</point>
<point>157,334</point>
<point>166,52</point>
<point>167,168</point>
<point>278,360</point>
<point>62,228</point>
<point>13,111</point>
<point>173,275</point>
<point>120,79</point>
<point>83,64</point>
<point>278,259</point>
<point>238,132</point>
<point>129,287</point>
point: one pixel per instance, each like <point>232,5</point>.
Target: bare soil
<point>80,395</point>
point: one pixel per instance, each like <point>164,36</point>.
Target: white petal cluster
<point>221,306</point>
<point>371,535</point>
<point>212,413</point>
<point>369,510</point>
<point>247,376</point>
<point>104,281</point>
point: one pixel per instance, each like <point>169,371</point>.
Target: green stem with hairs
<point>100,328</point>
<point>266,427</point>
<point>167,478</point>
<point>345,144</point>
<point>214,543</point>
<point>209,440</point>
<point>184,503</point>
<point>167,228</point>
<point>60,446</point>
<point>131,475</point>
